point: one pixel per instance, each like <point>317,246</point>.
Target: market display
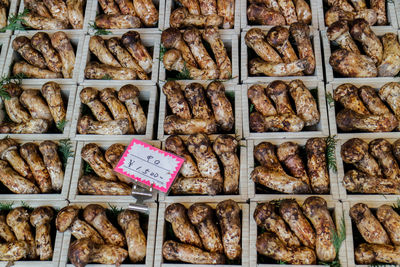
<point>275,55</point>
<point>380,53</point>
<point>205,177</point>
<point>54,15</point>
<point>203,118</point>
<point>186,52</point>
<point>374,166</point>
<point>31,168</point>
<point>280,115</point>
<point>45,56</point>
<point>305,175</point>
<point>379,232</point>
<point>278,12</point>
<point>200,240</point>
<point>124,58</point>
<point>112,112</point>
<point>366,109</point>
<point>294,234</point>
<point>97,239</point>
<point>27,233</point>
<point>126,14</point>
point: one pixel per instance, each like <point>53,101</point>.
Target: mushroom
<point>86,125</point>
<point>390,93</point>
<point>196,186</point>
<point>18,220</point>
<point>258,66</point>
<point>93,185</point>
<point>95,215</point>
<point>13,251</point>
<point>98,47</point>
<point>49,151</point>
<point>301,34</point>
<point>278,91</point>
<point>129,95</point>
<point>172,38</point>
<point>6,233</point>
<point>41,218</point>
<point>131,41</point>
<point>12,105</point>
<point>192,37</point>
<point>9,153</point>
<point>289,154</point>
<point>33,126</point>
<point>89,97</point>
<point>84,251</point>
<point>67,218</point>
<point>175,99</point>
<point>255,39</point>
<point>257,96</point>
<point>173,61</point>
<point>221,106</point>
<point>192,6</point>
<point>278,38</point>
<point>51,91</point>
<point>92,154</point>
<point>370,98</point>
<point>23,46</point>
<point>339,32</point>
<point>181,18</point>
<point>135,238</point>
<point>288,10</point>
<point>350,64</point>
<point>114,153</point>
<point>194,94</point>
<point>285,122</point>
<point>175,125</point>
<point>342,4</point>
<point>201,216</point>
<point>355,151</point>
<point>14,182</point>
<point>260,14</point>
<point>37,106</point>
<point>265,154</point>
<point>381,150</point>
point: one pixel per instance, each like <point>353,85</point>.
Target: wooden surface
<point>322,128</point>
<point>159,260</point>
<point>147,93</point>
<point>334,193</point>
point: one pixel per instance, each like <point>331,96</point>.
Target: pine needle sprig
<point>106,77</point>
<point>6,206</point>
<point>17,79</point>
<point>26,206</point>
<point>15,22</point>
<point>65,149</point>
<point>184,74</point>
<point>61,125</point>
<point>251,107</point>
<point>230,95</point>
<point>113,211</point>
<point>98,31</point>
<point>163,50</point>
<point>330,153</point>
<point>330,100</point>
<point>87,169</point>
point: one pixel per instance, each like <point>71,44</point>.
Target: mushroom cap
<point>228,208</point>
<point>127,216</point>
<point>225,144</point>
<point>65,217</point>
<point>89,151</point>
<point>262,212</point>
<point>311,204</point>
<point>359,26</point>
<point>88,94</point>
<point>39,39</point>
<point>277,88</point>
<point>199,212</point>
<point>287,149</point>
<point>257,122</point>
<point>28,149</point>
<point>379,147</point>
<point>256,91</point>
<point>127,92</point>
<point>50,87</point>
<point>17,216</point>
<point>80,251</point>
<point>215,89</point>
<point>171,57</point>
<point>92,211</point>
<point>316,145</point>
<point>345,90</point>
<point>210,33</point>
<point>42,215</point>
<point>353,150</point>
<point>277,36</point>
<point>107,93</point>
<point>175,144</point>
<point>130,37</point>
<point>19,42</point>
<point>13,89</point>
<point>357,212</point>
<point>170,37</point>
<point>254,35</point>
<point>48,145</point>
<point>173,211</point>
<point>114,152</point>
<point>299,30</point>
<point>192,35</point>
<point>178,16</point>
<point>6,144</point>
<point>84,123</point>
<point>198,143</point>
<point>337,29</point>
<point>171,87</point>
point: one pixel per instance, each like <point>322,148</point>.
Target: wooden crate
<point>4,42</point>
<point>232,47</point>
<point>246,78</point>
<point>68,95</point>
<point>320,130</point>
<point>161,234</point>
<point>254,196</point>
<point>344,195</point>
<point>349,228</point>
<point>87,10</point>
<point>151,229</point>
<point>148,94</point>
<point>332,77</point>
<point>332,114</point>
<point>58,238</point>
<point>12,11</point>
<point>337,214</point>
<point>229,89</point>
<point>150,41</point>
<point>171,5</point>
<point>13,56</point>
<point>390,10</point>
<point>63,195</point>
<point>159,4</point>
<point>241,197</point>
<point>75,196</point>
<point>244,4</point>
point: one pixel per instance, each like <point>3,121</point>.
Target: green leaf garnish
<point>26,206</point>
<point>163,50</point>
<point>87,169</point>
<point>61,125</point>
<point>16,79</point>
<point>6,206</point>
<point>330,100</point>
<point>330,152</point>
<point>65,149</point>
<point>114,210</point>
<point>98,31</point>
<point>282,262</point>
<point>15,22</point>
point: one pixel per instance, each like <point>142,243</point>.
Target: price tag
<point>149,165</point>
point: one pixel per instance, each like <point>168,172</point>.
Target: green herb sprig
<point>98,31</point>
<point>251,107</point>
<point>330,153</point>
<point>15,22</point>
<point>87,169</point>
<point>114,210</point>
<point>106,77</point>
<point>163,50</point>
<point>17,79</point>
<point>337,237</point>
<point>184,74</point>
<point>61,125</point>
<point>6,206</point>
<point>65,149</point>
<point>26,206</point>
<point>330,100</point>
